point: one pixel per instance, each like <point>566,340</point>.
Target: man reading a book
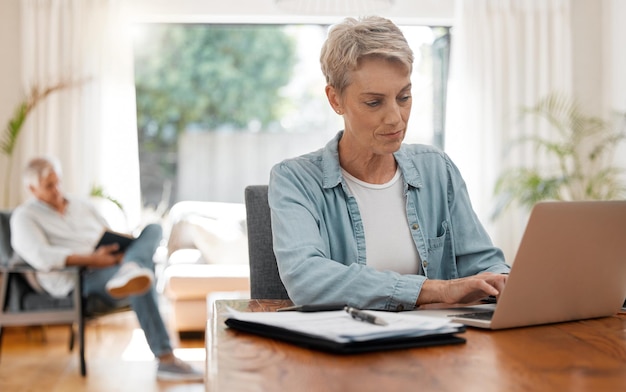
<point>53,230</point>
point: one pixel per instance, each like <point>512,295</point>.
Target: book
<point>338,332</point>
<point>113,237</point>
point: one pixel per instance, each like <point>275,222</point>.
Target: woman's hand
<point>463,290</point>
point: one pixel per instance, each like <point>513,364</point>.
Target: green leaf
<point>13,129</point>
<point>98,191</point>
<point>581,149</point>
<point>211,77</point>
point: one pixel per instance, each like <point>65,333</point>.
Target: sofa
<point>207,259</point>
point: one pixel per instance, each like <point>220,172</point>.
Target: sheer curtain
<point>506,54</point>
<point>91,125</point>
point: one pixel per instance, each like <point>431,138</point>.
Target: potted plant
<point>579,155</point>
<point>8,140</point>
<point>15,123</point>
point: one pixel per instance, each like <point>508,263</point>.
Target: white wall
<point>266,11</point>
<point>587,50</point>
<point>599,39</point>
<point>614,15</point>
<point>615,66</point>
<point>10,76</point>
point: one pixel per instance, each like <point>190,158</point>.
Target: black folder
<point>352,347</point>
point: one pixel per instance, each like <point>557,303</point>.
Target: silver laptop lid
<point>571,265</point>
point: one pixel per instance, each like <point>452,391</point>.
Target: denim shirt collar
<point>331,168</point>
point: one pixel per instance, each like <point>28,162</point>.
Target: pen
<point>364,316</point>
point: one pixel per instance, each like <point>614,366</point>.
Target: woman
<point>368,220</point>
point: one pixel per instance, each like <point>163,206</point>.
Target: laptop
<point>570,265</point>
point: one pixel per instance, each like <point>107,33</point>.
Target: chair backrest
<point>6,251</point>
<point>265,281</point>
<point>22,291</point>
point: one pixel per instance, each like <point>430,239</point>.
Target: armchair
<point>24,303</point>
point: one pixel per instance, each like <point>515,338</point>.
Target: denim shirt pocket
<point>438,248</point>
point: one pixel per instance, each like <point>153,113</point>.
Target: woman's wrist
<point>430,292</point>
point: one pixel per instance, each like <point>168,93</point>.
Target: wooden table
<point>585,355</point>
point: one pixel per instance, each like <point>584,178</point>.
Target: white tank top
<point>388,242</point>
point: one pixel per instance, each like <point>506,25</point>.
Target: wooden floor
<point>118,359</point>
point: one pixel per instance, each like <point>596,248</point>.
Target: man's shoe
<point>130,279</point>
<point>178,370</point>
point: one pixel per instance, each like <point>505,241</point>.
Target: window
<point>219,105</point>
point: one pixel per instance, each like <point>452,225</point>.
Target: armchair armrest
<point>19,266</point>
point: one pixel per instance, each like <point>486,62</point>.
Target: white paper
<point>339,326</point>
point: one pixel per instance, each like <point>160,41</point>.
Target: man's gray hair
<point>38,168</point>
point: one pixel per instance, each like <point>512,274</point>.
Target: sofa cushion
<point>186,256</point>
<point>220,241</point>
<point>195,281</point>
<point>180,217</point>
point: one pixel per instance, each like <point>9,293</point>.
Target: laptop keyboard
<point>477,315</point>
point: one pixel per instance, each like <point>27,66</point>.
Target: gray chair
<point>23,303</point>
<point>265,282</point>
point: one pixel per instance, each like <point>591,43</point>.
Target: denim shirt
<point>319,240</point>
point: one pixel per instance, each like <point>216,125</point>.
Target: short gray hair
<point>38,168</point>
<point>351,40</point>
